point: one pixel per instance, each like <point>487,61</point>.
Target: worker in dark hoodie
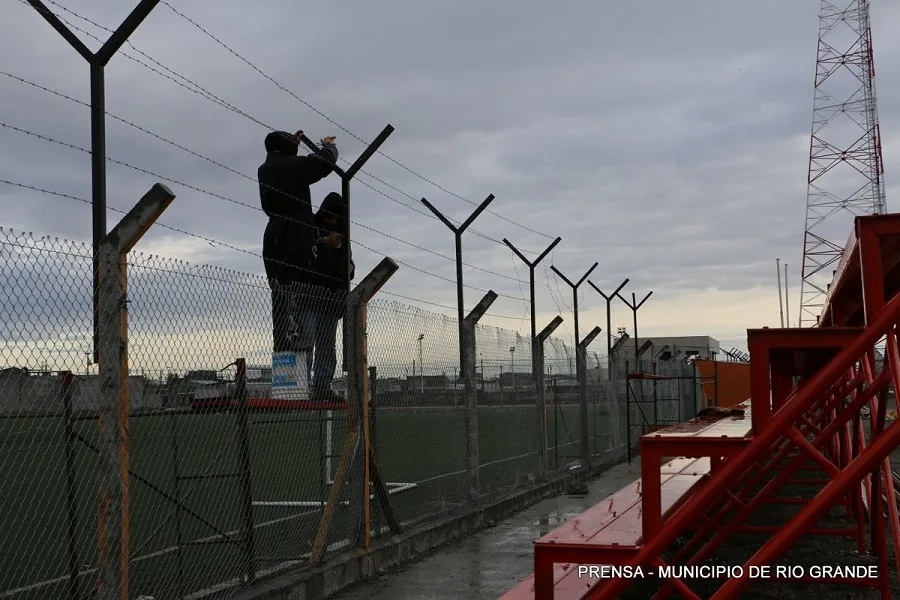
<point>330,306</point>
<point>290,236</point>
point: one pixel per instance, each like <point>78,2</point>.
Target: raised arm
<point>317,165</point>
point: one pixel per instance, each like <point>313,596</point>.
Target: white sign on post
<point>289,376</point>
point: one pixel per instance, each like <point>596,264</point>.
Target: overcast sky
<point>667,141</point>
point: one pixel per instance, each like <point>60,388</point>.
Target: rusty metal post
<point>240,384</point>
<point>469,352</point>
<point>68,381</point>
<point>358,465</point>
<point>113,418</point>
<point>581,361</point>
<point>545,333</point>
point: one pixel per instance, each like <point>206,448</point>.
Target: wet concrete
<point>485,565</point>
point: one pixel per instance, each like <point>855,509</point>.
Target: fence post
<point>68,381</point>
<point>240,384</point>
<point>457,236</point>
<point>627,412</point>
<point>358,468</point>
<point>538,356</point>
<point>581,367</point>
<point>113,418</point>
<point>346,177</point>
<point>373,411</point>
<point>531,266</point>
<point>469,352</point>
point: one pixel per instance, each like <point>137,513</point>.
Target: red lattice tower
<point>845,163</point>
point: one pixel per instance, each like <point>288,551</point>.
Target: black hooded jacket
<point>330,270</point>
<point>284,180</point>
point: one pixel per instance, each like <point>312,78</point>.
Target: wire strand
<point>201,91</point>
<point>210,240</point>
<point>336,124</point>
<point>253,179</point>
<point>74,255</point>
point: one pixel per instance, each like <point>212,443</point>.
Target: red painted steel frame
<point>811,394</point>
<point>868,273</point>
<point>778,355</point>
<point>808,388</point>
<point>722,439</point>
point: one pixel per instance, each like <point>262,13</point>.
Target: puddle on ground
<point>550,521</point>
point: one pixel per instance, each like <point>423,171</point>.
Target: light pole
<point>421,365</point>
<point>512,367</point>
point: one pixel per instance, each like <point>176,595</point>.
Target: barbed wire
<point>200,90</point>
<point>197,89</point>
<point>336,124</point>
<point>198,275</point>
<point>217,242</point>
<point>250,178</point>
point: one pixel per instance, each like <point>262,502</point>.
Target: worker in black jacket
<point>290,237</point>
<point>330,304</point>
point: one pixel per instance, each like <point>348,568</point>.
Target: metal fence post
<point>113,418</point>
<point>357,464</point>
<point>469,352</point>
<point>581,360</point>
<point>531,266</point>
<point>610,365</point>
<point>538,355</point>
<point>68,381</point>
<point>627,412</point>
<point>457,236</point>
<point>98,61</point>
<point>346,177</point>
<point>240,384</point>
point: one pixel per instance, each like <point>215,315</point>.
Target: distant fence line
<point>225,488</point>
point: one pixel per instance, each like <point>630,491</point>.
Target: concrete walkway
<point>487,564</point>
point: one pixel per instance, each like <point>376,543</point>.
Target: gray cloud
<point>666,141</point>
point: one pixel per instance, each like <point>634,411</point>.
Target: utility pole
<point>780,302</point>
<point>421,364</point>
<point>512,367</point>
<point>786,295</point>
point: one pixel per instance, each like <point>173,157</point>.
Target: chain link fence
<point>226,479</point>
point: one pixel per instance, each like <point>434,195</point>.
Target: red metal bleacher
<point>606,534</point>
<point>809,389</point>
<point>799,384</point>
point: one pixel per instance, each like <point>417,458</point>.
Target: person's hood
<point>333,204</point>
<point>283,142</point>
